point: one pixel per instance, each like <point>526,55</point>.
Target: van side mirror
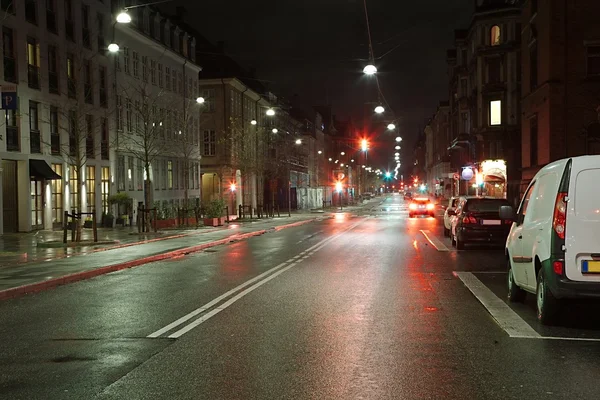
<point>508,213</point>
<point>451,211</point>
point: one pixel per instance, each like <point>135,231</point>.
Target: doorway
<point>9,196</point>
<point>37,205</point>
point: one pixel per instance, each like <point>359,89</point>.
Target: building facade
<point>157,115</point>
<point>561,82</point>
<point>439,171</point>
<point>57,97</point>
<point>485,77</point>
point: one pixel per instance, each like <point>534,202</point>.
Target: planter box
<point>166,223</point>
<point>212,221</point>
<point>222,221</point>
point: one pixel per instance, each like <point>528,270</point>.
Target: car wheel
<point>547,304</point>
<point>460,244</point>
<point>453,240</point>
<point>515,293</point>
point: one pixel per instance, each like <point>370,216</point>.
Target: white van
<point>553,249</point>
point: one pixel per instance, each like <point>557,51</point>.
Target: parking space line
<point>506,318</point>
<point>435,242</point>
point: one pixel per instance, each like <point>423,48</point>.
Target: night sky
<point>316,49</point>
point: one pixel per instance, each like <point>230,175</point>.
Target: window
<point>33,63</point>
<point>8,51</point>
<point>136,64</point>
<point>495,112</point>
<point>464,82</point>
<point>160,75</point>
<point>35,138</point>
<point>534,6</point>
<point>209,99</point>
<point>121,173</point>
<point>8,6</point>
<point>69,31</point>
<point>104,139</point>
<point>105,188</point>
<point>100,26</point>
<point>209,143</point>
<point>593,60</point>
<point>163,168</point>
<point>533,141</point>
<point>495,35</point>
<point>87,82</point>
<point>89,137</point>
<point>90,186</point>
<point>74,188</point>
<point>57,195</point>
<point>494,70</point>
<point>168,77</point>
<point>126,60</point>
<point>31,11</point>
<point>117,61</point>
<point>54,134</point>
<point>103,95</point>
<point>53,85</point>
<point>144,68</point>
<point>533,66</point>
<point>51,16</point>
<point>13,137</point>
<point>130,170</point>
<point>153,72</point>
<point>138,117</point>
<point>73,143</point>
<point>71,78</point>
<point>129,116</point>
<point>85,25</point>
<point>119,114</point>
<point>170,174</point>
<point>174,82</point>
<point>180,83</point>
<point>525,201</point>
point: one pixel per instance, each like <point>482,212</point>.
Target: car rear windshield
<point>485,205</point>
<point>422,201</point>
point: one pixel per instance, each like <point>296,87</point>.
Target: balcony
<point>53,83</point>
<point>33,76</point>
<point>51,21</point>
<point>55,143</point>
<point>72,88</point>
<point>104,154</point>
<point>12,139</point>
<point>35,142</point>
<point>10,69</point>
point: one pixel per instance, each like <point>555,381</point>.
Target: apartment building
<point>157,114</point>
<point>437,158</point>
<point>561,82</point>
<point>56,87</point>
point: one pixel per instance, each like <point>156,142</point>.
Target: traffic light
<point>364,144</point>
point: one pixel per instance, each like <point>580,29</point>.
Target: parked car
<point>421,206</point>
<point>477,220</point>
<point>553,249</point>
<point>452,203</point>
<point>408,196</point>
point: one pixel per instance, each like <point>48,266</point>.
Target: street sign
<point>9,97</point>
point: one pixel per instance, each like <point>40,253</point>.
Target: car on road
<point>421,206</point>
<point>553,249</point>
<point>452,203</point>
<point>477,220</point>
<point>408,196</point>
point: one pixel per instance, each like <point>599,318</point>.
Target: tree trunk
<point>148,196</point>
<point>79,222</point>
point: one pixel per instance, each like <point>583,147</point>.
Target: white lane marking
<point>506,318</point>
<point>573,339</point>
<point>311,250</point>
<point>435,242</point>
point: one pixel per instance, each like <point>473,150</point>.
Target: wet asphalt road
<point>362,305</point>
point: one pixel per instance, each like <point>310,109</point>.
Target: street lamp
<point>253,122</point>
<point>270,112</point>
<point>391,127</point>
<point>379,109</point>
<point>397,154</point>
<point>200,100</point>
<point>123,17</point>
<point>298,141</point>
<point>319,152</point>
<point>113,47</point>
<point>398,139</point>
<point>397,147</point>
<point>342,153</point>
<point>370,69</point>
<point>364,144</point>
<point>274,130</point>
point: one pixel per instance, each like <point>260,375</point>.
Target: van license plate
<point>491,222</point>
<point>590,267</point>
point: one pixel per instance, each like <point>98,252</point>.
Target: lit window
<point>495,35</point>
<point>495,112</point>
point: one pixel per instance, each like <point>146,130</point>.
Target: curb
<point>84,275</point>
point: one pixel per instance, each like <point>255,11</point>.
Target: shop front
<point>494,176</point>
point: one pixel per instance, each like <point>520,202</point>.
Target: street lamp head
<point>330,159</point>
<point>342,164</point>
<point>397,147</point>
<point>388,175</point>
<point>319,152</point>
<point>113,47</point>
<point>270,112</point>
<point>398,139</point>
<point>379,109</point>
<point>370,69</point>
<point>391,127</point>
<point>298,141</point>
<point>397,154</point>
<point>364,144</point>
<point>123,17</point>
<point>343,153</point>
<point>274,130</point>
<point>253,122</point>
<point>352,160</point>
<point>200,100</point>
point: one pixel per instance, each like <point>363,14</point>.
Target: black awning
<point>39,169</point>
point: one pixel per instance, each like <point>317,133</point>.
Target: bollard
<point>65,225</point>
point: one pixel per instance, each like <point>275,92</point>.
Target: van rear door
<point>582,228</point>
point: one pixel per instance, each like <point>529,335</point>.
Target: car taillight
<point>560,215</point>
<point>430,206</point>
<point>412,206</point>
<point>558,267</point>
<point>469,219</point>
<point>507,222</point>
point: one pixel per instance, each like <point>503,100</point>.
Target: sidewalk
<point>38,269</point>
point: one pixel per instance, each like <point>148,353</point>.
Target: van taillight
<point>560,215</point>
<point>558,267</point>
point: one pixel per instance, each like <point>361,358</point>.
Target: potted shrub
<point>88,223</point>
<point>214,212</point>
<point>108,220</point>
